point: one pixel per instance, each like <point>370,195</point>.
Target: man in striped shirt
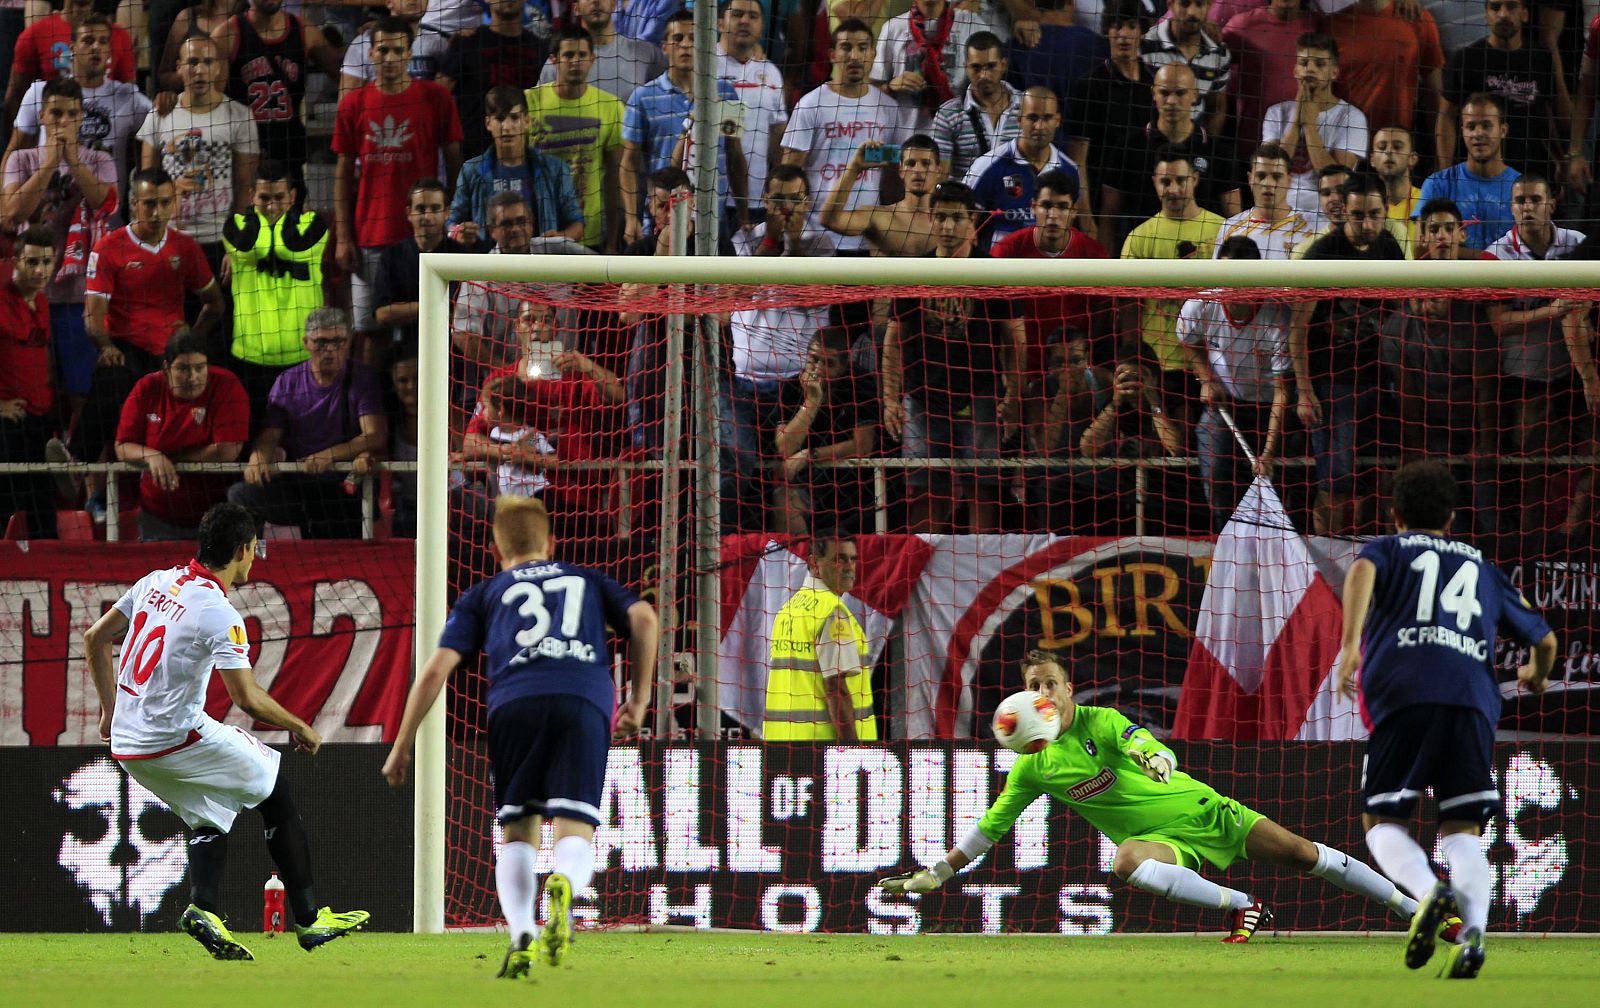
<point>1275,228</point>
<point>1183,38</point>
<point>982,117</point>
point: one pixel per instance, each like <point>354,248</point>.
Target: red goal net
<point>1164,487</point>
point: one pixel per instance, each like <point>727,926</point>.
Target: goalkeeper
<point>1126,783</point>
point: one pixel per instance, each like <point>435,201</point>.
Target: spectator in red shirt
<point>44,52</point>
<point>188,411</point>
<point>27,393</point>
<point>397,128</point>
<point>322,412</point>
<point>557,397</point>
<point>137,279</point>
<point>1053,237</point>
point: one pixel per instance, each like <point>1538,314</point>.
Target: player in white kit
<point>179,626</point>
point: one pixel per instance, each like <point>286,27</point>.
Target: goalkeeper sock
<point>208,853</point>
<point>1181,885</point>
<point>1401,858</point>
<point>574,858</point>
<point>1470,877</point>
<point>514,879</point>
<point>1355,876</point>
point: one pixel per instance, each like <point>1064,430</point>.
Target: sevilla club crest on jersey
<point>175,263</point>
<point>199,415</point>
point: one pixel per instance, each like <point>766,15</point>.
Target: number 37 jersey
<point>180,627</point>
<point>1429,638</point>
<point>542,629</point>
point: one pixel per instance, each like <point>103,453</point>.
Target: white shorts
<point>208,782</point>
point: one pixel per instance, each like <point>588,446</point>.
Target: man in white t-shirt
<point>770,345</point>
<point>759,85</point>
<point>1275,228</point>
<point>179,626</point>
<point>1239,353</point>
<point>1318,128</point>
<point>427,49</point>
<point>829,123</point>
<point>112,110</point>
<point>209,145</point>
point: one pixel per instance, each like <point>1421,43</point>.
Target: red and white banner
<point>1266,646</point>
<point>1240,634</point>
<point>330,627</point>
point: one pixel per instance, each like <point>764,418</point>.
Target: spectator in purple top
<point>324,411</point>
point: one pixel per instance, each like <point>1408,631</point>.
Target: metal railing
<point>879,467</point>
<point>367,485</point>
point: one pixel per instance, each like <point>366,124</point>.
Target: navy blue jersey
<point>1429,637</point>
<point>542,626</point>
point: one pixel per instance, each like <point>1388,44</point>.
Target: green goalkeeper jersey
<point>1089,769</point>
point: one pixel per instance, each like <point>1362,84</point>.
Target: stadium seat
<point>128,525</point>
<point>270,531</point>
<point>75,525</point>
<point>17,527</point>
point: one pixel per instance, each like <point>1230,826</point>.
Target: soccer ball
<point>1026,722</point>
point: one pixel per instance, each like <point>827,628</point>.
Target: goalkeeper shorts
<point>1215,834</point>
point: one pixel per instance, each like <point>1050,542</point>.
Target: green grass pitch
<point>702,970</point>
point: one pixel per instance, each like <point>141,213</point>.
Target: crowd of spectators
<point>211,217</point>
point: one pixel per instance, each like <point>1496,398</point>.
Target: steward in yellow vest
<point>819,685</point>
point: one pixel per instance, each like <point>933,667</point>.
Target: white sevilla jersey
<point>180,627</point>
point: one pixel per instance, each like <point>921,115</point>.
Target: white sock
<point>574,858</point>
<point>1470,877</point>
<point>1401,858</point>
<point>514,878</point>
<point>1355,876</point>
<point>1181,885</point>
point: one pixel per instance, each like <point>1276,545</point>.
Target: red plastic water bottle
<point>272,912</point>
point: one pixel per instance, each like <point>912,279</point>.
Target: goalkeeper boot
<point>212,932</point>
<point>330,925</point>
<point>1439,906</point>
<point>1245,921</point>
<point>557,935</point>
<point>1463,961</point>
<point>518,958</point>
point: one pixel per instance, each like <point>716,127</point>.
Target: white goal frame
<point>439,269</point>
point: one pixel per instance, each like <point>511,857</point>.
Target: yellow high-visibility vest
<point>797,706</point>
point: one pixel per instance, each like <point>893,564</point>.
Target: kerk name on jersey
<point>1442,637</point>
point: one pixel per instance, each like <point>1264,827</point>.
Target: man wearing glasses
<point>275,249</point>
<point>322,412</point>
<point>770,347</point>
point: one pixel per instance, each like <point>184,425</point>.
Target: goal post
<point>1122,278</point>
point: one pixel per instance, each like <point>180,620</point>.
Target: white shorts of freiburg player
<point>210,780</point>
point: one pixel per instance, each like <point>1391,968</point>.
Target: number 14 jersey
<point>1429,637</point>
<point>180,627</point>
<point>542,628</point>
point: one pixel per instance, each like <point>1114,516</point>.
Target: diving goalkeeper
<point>1126,783</point>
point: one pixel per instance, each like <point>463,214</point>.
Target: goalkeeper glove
<point>1156,766</point>
<point>925,880</point>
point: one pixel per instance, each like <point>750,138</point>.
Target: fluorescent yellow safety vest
<point>797,706</point>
